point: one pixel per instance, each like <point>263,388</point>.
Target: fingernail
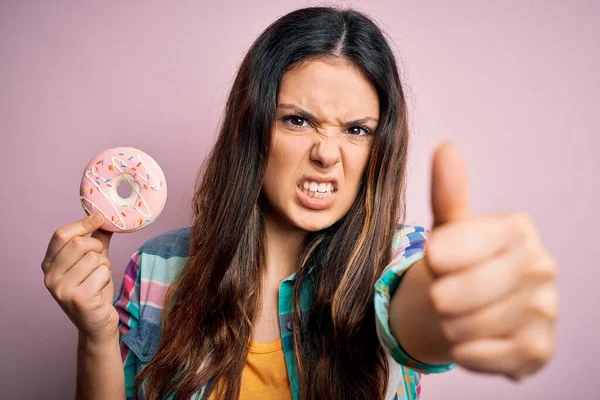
<point>97,218</point>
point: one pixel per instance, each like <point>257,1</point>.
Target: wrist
<point>100,343</point>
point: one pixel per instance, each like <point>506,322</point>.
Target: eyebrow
<point>305,114</point>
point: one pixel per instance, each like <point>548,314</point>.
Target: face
<point>327,113</point>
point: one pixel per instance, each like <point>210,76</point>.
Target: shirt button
<point>146,348</point>
<point>289,326</point>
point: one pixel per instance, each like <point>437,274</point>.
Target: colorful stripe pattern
<point>155,265</point>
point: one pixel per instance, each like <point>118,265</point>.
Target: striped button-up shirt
<point>155,265</point>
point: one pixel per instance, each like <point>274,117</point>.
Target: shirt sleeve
<point>127,305</point>
<point>408,248</point>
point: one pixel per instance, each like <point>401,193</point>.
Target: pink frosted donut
<point>129,170</point>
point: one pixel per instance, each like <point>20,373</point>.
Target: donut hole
<point>124,190</point>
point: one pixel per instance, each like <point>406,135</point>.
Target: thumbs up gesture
<point>494,283</point>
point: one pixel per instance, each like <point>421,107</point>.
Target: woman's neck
<point>283,245</point>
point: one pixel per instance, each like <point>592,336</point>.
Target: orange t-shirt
<point>265,375</point>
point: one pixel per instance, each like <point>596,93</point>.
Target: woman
<point>280,287</point>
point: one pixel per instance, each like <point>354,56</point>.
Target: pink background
<point>513,83</point>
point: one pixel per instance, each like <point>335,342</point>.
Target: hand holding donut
<point>76,268</point>
<point>494,281</point>
<point>77,274</point>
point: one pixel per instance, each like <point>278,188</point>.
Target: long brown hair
<point>212,305</point>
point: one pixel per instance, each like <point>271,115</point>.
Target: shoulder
<point>161,257</point>
<point>408,240</point>
<point>175,243</point>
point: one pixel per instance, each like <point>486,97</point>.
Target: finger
<point>449,185</point>
<point>72,252</point>
<point>487,355</point>
<point>108,293</point>
<point>473,288</point>
<point>104,237</point>
<point>64,234</point>
<point>84,268</point>
<point>97,280</point>
<point>470,242</point>
<point>515,357</point>
<point>504,317</point>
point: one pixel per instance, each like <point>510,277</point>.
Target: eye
<point>360,131</point>
<point>296,121</point>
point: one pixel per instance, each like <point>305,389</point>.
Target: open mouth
<point>317,190</point>
<point>316,195</point>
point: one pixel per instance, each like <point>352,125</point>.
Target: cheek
<point>355,164</point>
<point>285,160</point>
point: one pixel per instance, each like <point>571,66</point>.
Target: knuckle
<point>79,300</point>
<point>540,265</point>
<point>78,242</point>
<point>536,305</point>
<point>539,349</point>
<point>92,256</point>
<point>61,294</point>
<point>61,235</point>
<point>542,303</point>
<point>87,225</point>
<point>522,224</point>
<point>103,271</point>
<point>548,265</point>
<point>48,282</point>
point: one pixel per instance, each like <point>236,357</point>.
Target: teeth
<point>324,188</point>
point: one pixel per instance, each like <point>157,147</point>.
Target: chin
<point>312,221</point>
<point>312,226</point>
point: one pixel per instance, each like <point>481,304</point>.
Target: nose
<point>326,150</point>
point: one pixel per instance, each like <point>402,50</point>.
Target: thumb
<point>103,236</point>
<point>449,185</point>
